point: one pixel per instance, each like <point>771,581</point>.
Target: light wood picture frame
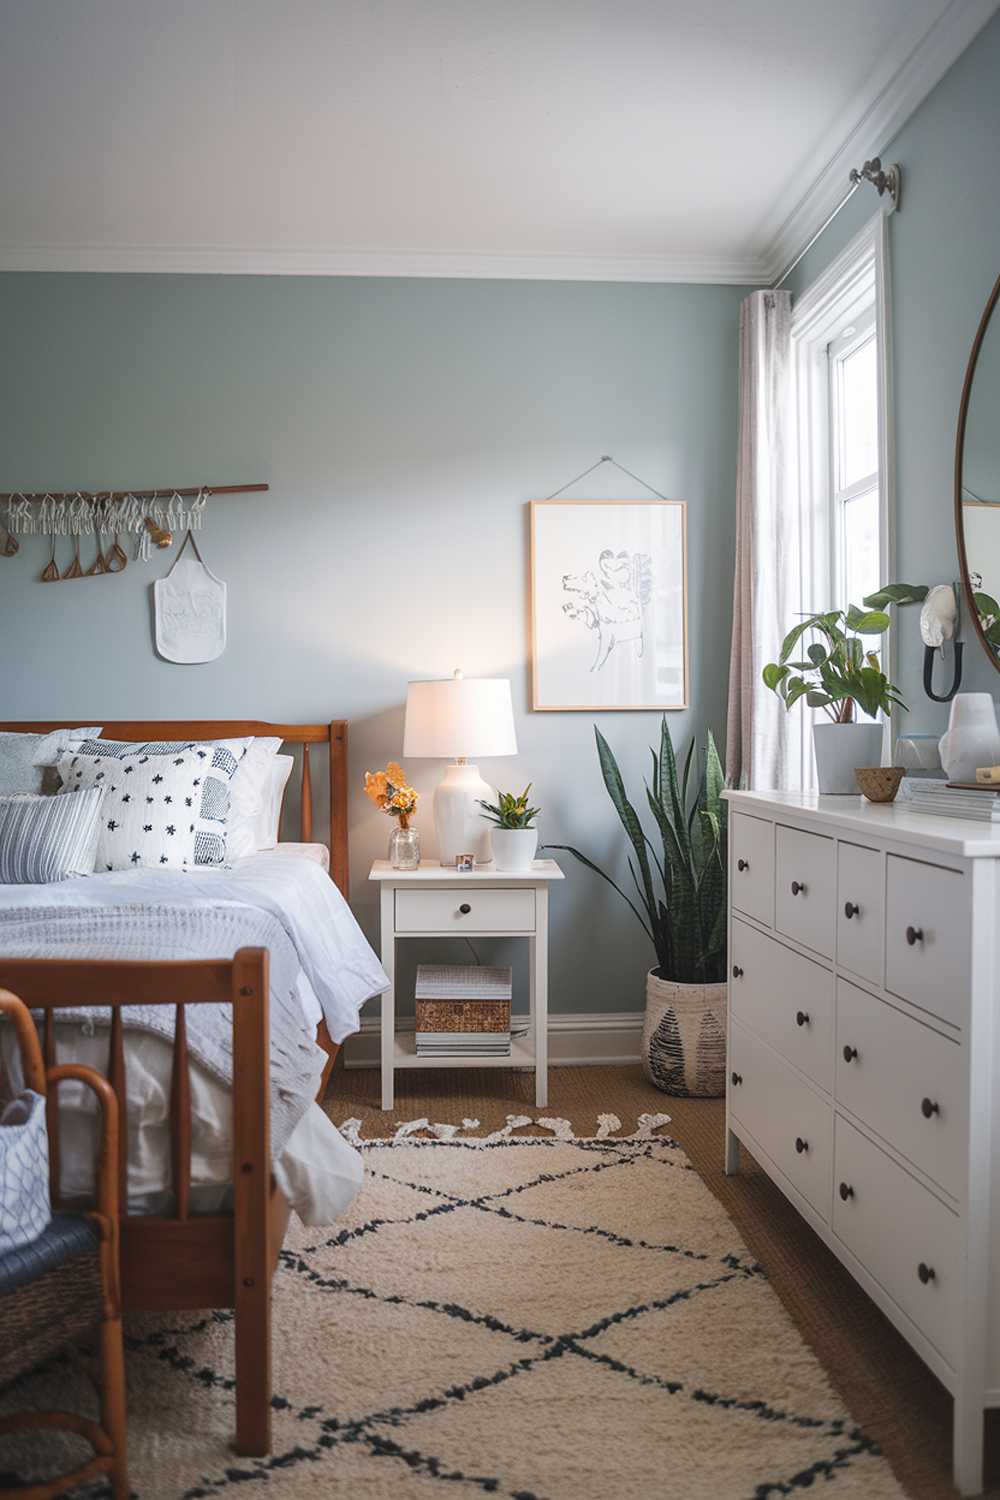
<point>609,624</point>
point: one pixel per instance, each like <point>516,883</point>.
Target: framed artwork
<point>609,604</point>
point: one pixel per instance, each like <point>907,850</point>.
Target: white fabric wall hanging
<point>190,610</point>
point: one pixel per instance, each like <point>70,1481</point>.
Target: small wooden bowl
<point>880,783</point>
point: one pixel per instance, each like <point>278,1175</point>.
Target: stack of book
<point>950,799</point>
<point>463,1010</point>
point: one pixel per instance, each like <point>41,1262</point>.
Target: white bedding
<point>318,1171</point>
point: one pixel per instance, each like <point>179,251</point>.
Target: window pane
<point>861,547</point>
<point>859,414</point>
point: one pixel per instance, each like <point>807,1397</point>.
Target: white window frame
<point>856,281</point>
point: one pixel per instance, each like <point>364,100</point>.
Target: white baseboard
<point>575,1040</point>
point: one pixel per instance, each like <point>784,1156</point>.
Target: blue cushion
<point>68,1236</point>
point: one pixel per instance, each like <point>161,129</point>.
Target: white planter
<point>841,749</point>
<point>684,1038</point>
<point>514,848</point>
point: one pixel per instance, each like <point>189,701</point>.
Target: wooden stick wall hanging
<point>151,518</point>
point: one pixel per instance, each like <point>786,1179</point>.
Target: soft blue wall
<point>402,426</point>
<point>945,253</point>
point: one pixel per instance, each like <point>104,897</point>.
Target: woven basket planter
<point>684,1038</point>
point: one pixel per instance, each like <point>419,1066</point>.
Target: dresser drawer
<point>785,998</point>
<point>793,1124</point>
<point>928,937</point>
<point>860,911</point>
<point>903,1080</point>
<point>805,888</point>
<point>753,867</point>
<point>465,910</point>
<point>901,1234</point>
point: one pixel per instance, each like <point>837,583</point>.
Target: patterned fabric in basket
<point>25,1210</point>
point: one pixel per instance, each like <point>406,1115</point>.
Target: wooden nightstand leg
<point>538,963</point>
<point>388,1025</point>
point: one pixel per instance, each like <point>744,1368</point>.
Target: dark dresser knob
<point>914,935</point>
<point>465,908</point>
<point>801,1145</point>
<point>929,1107</point>
<point>737,1079</point>
<point>851,909</point>
<point>926,1273</point>
<point>801,1018</point>
<point>737,972</point>
<point>742,864</point>
<point>798,889</point>
<point>850,1053</point>
<point>846,1191</point>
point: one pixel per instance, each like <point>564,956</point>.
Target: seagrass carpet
<point>537,1317</point>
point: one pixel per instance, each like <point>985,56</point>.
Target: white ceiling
<point>630,139</point>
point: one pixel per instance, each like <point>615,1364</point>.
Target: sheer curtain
<point>765,745</point>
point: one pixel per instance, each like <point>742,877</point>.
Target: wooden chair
<point>63,1286</point>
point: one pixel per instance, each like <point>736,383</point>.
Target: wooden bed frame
<point>182,1261</point>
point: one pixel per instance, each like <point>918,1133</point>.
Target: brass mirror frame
<point>963,414</point>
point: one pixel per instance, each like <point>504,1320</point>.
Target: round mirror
<point>977,481</point>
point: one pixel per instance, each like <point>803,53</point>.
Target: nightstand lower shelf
<point>404,1055</point>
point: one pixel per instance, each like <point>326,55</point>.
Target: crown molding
<point>230,260</point>
<point>908,77</point>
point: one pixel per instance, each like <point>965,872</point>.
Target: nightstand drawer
<point>465,909</point>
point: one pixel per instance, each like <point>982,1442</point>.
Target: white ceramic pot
<point>972,739</point>
<point>684,1038</point>
<point>841,749</point>
<point>514,848</point>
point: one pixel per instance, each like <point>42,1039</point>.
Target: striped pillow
<point>44,839</point>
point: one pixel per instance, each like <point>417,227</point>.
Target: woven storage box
<point>462,997</point>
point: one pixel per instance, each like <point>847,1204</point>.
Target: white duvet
<point>318,1171</point>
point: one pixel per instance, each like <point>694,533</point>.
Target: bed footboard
<point>177,1261</point>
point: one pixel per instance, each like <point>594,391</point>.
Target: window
<point>842,466</point>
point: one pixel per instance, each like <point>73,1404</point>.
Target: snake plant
<point>681,886</point>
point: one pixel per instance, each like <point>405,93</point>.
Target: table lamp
<point>460,718</point>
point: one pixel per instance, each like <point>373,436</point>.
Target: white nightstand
<point>436,901</point>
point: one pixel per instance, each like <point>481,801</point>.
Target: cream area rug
<point>529,1317</point>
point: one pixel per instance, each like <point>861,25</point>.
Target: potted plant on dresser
<point>681,909</point>
<point>841,674</point>
<point>515,837</point>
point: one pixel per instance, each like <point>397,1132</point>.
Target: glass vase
<point>404,848</point>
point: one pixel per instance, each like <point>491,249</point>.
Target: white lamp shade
<point>459,717</point>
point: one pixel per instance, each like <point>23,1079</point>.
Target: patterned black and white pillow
<point>165,803</point>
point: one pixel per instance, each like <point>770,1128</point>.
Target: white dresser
<point>864,1057</point>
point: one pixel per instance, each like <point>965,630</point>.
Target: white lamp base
<point>461,828</point>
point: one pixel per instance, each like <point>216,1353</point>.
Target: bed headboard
<point>333,735</point>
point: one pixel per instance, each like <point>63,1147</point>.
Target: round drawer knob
<point>465,908</point>
<point>926,1273</point>
<point>846,1191</point>
<point>929,1108</point>
<point>737,972</point>
<point>737,1079</point>
<point>802,1018</point>
<point>801,1145</point>
<point>914,935</point>
<point>850,1053</point>
<point>797,888</point>
<point>742,865</point>
<point>851,909</point>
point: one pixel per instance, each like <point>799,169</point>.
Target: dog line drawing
<point>610,601</point>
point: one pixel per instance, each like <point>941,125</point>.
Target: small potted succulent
<point>515,838</point>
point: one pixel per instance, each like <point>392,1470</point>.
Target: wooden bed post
<point>252,1263</point>
<point>338,806</point>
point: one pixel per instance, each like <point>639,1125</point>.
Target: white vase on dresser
<point>864,1055</point>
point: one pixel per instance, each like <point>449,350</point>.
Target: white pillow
<point>165,805</point>
<point>267,826</point>
<point>249,795</point>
